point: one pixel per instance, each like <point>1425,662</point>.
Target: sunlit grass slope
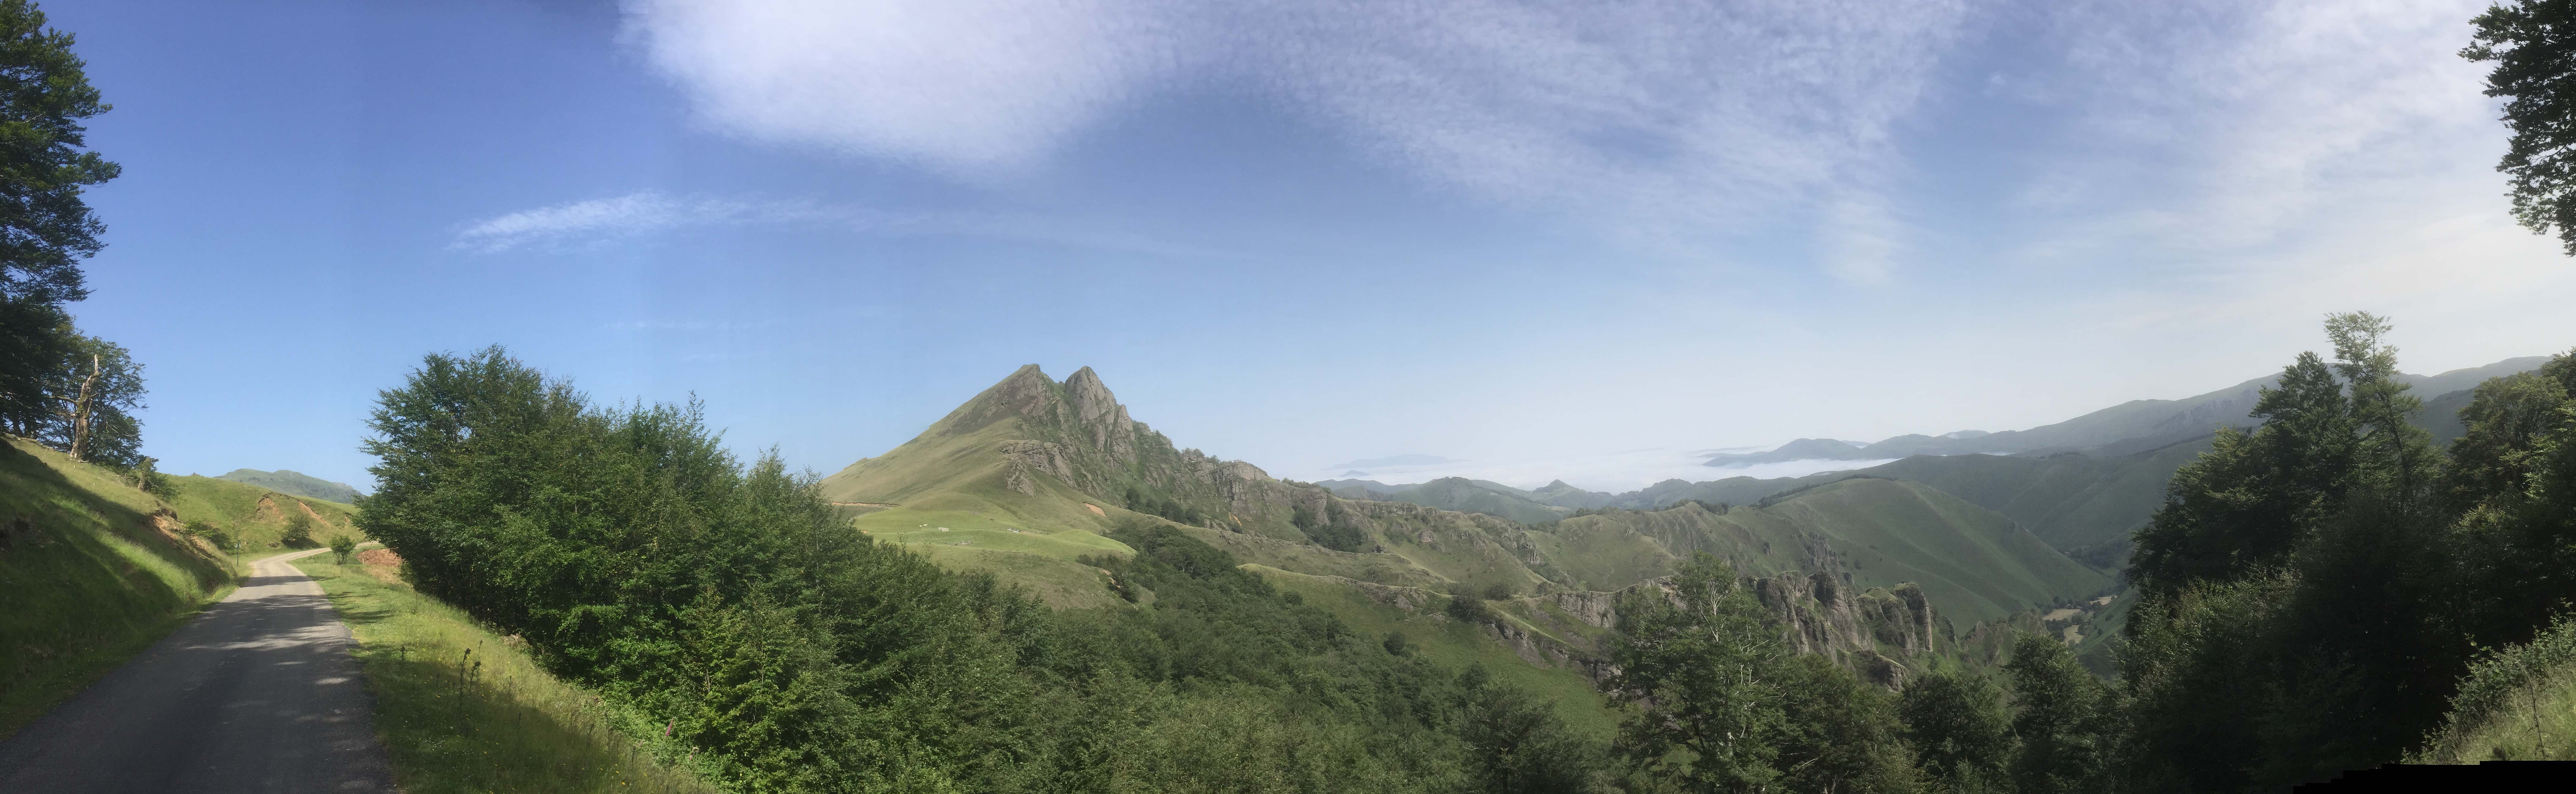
<point>488,720</point>
<point>2518,704</point>
<point>256,517</point>
<point>88,577</point>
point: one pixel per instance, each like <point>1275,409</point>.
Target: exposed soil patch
<point>1095,510</point>
<point>383,564</point>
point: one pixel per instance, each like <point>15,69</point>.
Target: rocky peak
<point>1097,416</point>
<point>1026,393</point>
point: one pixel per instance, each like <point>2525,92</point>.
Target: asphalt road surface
<point>257,694</point>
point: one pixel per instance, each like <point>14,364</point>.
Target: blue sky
<point>1506,232</point>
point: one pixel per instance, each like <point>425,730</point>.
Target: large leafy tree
<point>1705,662</point>
<point>1957,723</point>
<point>2533,46</point>
<point>45,226</point>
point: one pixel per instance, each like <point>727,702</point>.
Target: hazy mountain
<point>290,482</point>
<point>2143,424</point>
<point>1393,460</point>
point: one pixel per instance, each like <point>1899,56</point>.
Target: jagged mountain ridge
<point>1028,476</point>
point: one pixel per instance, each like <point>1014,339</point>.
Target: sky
<point>1534,236</point>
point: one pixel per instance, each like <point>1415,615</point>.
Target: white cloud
<point>1665,122</point>
<point>638,213</point>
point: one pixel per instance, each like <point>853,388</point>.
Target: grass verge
<point>88,578</point>
<point>484,721</point>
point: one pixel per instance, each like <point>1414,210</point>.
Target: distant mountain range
<point>1393,460</point>
<point>2082,501</point>
<point>2140,423</point>
<point>295,483</point>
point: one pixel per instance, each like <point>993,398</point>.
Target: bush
<point>341,547</point>
<point>299,532</point>
<point>1466,607</point>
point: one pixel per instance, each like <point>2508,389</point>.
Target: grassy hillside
<point>2518,704</point>
<point>292,482</point>
<point>492,721</point>
<point>253,516</point>
<point>1973,563</point>
<point>2070,501</point>
<point>90,574</point>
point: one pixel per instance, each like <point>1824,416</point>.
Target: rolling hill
<point>294,484</point>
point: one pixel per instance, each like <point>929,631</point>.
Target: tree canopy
<point>2533,46</point>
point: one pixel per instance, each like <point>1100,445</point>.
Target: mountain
<point>1029,478</point>
<point>1801,449</point>
<point>2140,423</point>
<point>294,483</point>
<point>1393,460</point>
<point>1972,562</point>
<point>1455,493</point>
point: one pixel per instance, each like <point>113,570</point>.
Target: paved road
<point>257,694</point>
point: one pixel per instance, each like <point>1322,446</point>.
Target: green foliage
<point>2064,720</point>
<point>2529,42</point>
<point>1956,722</point>
<point>2249,501</point>
<point>1332,526</point>
<point>1704,664</point>
<point>299,532</point>
<point>1157,504</point>
<point>1468,608</point>
<point>342,546</point>
<point>2317,589</point>
<point>730,608</point>
<point>45,226</point>
<point>1843,734</point>
<point>456,722</point>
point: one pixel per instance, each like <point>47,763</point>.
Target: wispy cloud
<point>1663,121</point>
<point>602,220</point>
<point>639,213</point>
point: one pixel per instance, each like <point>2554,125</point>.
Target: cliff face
<point>1883,634</point>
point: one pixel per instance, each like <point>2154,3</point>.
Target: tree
<point>2062,719</point>
<point>1516,744</point>
<point>341,547</point>
<point>299,531</point>
<point>1841,733</point>
<point>2249,501</point>
<point>1703,662</point>
<point>95,391</point>
<point>2533,46</point>
<point>45,227</point>
<point>1958,727</point>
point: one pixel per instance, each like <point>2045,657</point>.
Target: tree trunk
<point>80,412</point>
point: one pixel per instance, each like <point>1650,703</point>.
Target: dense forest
<point>2314,593</point>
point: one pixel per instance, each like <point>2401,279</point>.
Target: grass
<point>488,720</point>
<point>255,516</point>
<point>87,577</point>
<point>2517,704</point>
